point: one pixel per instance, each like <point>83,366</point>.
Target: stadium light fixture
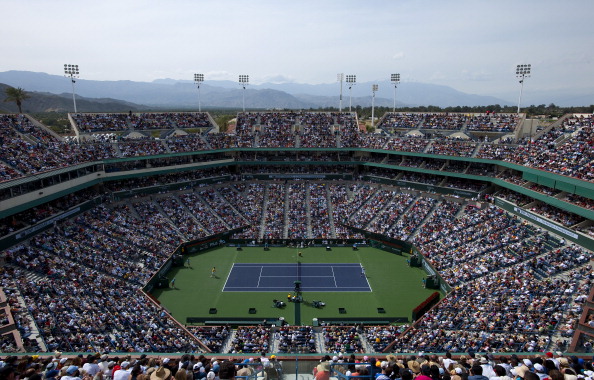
<point>351,80</point>
<point>198,79</point>
<point>395,78</point>
<point>244,81</point>
<point>374,88</point>
<point>340,78</point>
<point>72,72</point>
<point>522,72</point>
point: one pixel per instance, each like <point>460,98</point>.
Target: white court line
<point>294,276</point>
<point>228,276</point>
<point>259,278</point>
<point>366,279</point>
<point>334,277</point>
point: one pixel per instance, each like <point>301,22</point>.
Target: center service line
<point>334,277</point>
<point>260,277</point>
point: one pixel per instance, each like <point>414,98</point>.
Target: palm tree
<point>16,95</point>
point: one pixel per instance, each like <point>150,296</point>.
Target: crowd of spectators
<point>169,120</point>
<point>452,148</point>
<point>156,222</point>
<point>297,220</point>
<point>461,183</point>
<point>380,337</point>
<point>274,211</point>
<point>450,121</point>
<point>563,217</point>
<point>371,208</point>
<point>141,147</point>
<point>213,199</point>
<point>412,218</point>
<point>493,123</point>
<point>384,219</point>
<point>317,131</point>
<point>36,214</point>
<point>182,219</point>
<point>339,199</point>
<point>342,339</point>
<point>214,337</point>
<point>579,200</point>
<point>250,339</point>
<point>444,214</point>
<point>318,207</point>
<point>101,122</point>
<point>249,200</point>
<point>296,339</point>
<point>124,252</point>
<point>511,311</point>
<point>563,149</point>
<point>59,303</point>
<point>201,210</point>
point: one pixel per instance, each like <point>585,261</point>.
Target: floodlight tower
<point>198,79</point>
<point>395,78</point>
<point>72,72</point>
<point>522,72</point>
<point>374,88</point>
<point>351,80</point>
<point>244,81</point>
<point>340,78</point>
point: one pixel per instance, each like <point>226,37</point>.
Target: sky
<point>470,45</point>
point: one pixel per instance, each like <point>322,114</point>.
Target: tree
<point>17,95</point>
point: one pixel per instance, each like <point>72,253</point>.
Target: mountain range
<point>183,94</point>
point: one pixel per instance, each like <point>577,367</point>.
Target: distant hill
<point>46,102</point>
<point>171,93</point>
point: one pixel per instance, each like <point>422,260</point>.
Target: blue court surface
<point>250,277</point>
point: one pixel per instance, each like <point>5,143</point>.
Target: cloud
<point>398,55</point>
<point>277,79</point>
<point>476,76</point>
<point>220,75</point>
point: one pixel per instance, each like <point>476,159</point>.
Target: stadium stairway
<point>167,218</point>
<point>380,212</point>
<point>428,146</point>
<point>422,223</point>
<point>188,211</point>
<point>131,209</point>
<point>229,342</point>
<point>369,199</point>
<point>396,222</point>
<point>264,210</point>
<point>330,212</point>
<point>206,204</point>
<point>35,334</point>
<point>116,148</point>
<point>477,148</point>
<point>320,346</point>
<point>558,334</point>
<point>366,345</point>
<point>308,208</point>
<point>232,207</point>
<point>464,127</point>
<point>286,212</point>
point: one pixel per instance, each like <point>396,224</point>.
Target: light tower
<point>340,78</point>
<point>72,72</point>
<point>198,79</point>
<point>351,81</point>
<point>244,81</point>
<point>522,72</point>
<point>374,88</point>
<point>395,78</point>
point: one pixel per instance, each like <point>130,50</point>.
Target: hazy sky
<point>471,45</point>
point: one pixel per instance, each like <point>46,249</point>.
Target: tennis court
<point>327,277</point>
